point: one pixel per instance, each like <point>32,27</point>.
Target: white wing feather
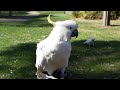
<point>52,55</point>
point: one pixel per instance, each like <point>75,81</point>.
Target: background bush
<point>94,14</point>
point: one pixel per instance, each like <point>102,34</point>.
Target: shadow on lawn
<point>21,60</point>
<point>32,21</point>
<point>114,25</point>
<point>24,17</point>
<point>84,58</point>
<point>40,21</point>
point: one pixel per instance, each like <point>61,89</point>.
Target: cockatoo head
<point>71,25</point>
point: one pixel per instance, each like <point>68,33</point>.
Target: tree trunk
<point>106,18</point>
<point>0,13</point>
<point>10,13</point>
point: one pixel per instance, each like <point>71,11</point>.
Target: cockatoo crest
<point>68,25</point>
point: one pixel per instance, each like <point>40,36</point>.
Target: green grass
<point>18,44</point>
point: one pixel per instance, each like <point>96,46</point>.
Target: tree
<point>106,18</point>
<point>10,13</point>
<point>0,13</point>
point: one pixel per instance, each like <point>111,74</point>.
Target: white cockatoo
<point>53,52</point>
<point>90,41</point>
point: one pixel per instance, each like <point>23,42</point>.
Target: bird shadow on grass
<point>18,62</point>
<point>100,61</point>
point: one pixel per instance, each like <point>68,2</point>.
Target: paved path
<point>33,13</point>
<point>29,15</point>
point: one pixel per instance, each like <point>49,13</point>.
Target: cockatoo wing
<point>52,56</point>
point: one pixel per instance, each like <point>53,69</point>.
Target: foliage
<point>94,14</point>
<point>76,14</point>
<point>115,15</point>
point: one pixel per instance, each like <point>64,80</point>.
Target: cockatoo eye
<point>70,28</point>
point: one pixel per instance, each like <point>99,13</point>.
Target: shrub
<point>76,14</point>
<point>115,15</point>
<point>94,14</point>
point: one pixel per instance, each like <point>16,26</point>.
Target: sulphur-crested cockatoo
<point>90,41</point>
<point>53,52</point>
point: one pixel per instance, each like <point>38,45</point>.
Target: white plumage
<point>90,41</point>
<point>53,53</point>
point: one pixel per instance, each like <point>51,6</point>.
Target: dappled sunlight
<point>94,62</point>
<point>19,61</point>
<point>18,45</point>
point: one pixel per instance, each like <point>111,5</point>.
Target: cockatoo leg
<point>43,75</point>
<point>62,73</point>
<point>39,74</point>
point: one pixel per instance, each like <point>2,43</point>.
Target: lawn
<point>18,44</point>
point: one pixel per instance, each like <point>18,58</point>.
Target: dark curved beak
<point>74,33</point>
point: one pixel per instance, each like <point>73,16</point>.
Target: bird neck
<point>60,34</point>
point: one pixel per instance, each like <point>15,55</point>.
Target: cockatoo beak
<point>74,33</point>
